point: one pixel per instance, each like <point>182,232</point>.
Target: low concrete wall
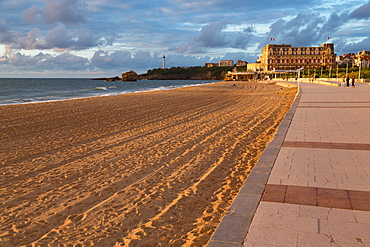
<point>285,84</point>
<point>327,83</point>
<point>279,83</point>
<point>309,80</point>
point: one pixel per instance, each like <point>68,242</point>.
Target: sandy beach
<point>146,169</point>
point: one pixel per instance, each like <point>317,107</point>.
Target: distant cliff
<point>176,73</point>
<point>191,73</point>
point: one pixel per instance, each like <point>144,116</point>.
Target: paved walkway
<point>317,171</point>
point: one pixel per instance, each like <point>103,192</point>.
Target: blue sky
<point>97,38</point>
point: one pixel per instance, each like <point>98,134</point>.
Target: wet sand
<point>147,169</point>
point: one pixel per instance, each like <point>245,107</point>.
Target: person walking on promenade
<point>347,80</point>
<point>353,81</point>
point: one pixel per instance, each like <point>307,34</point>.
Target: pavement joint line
<point>254,185</point>
<point>333,107</point>
<point>327,145</point>
<point>334,102</point>
<point>317,196</point>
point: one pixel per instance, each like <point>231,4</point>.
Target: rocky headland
<point>127,76</point>
<point>175,73</point>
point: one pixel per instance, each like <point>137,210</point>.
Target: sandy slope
<point>148,169</point>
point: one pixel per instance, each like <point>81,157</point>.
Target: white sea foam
<point>101,88</point>
<point>161,88</point>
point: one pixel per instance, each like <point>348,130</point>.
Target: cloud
<point>63,36</point>
<point>65,61</point>
<point>357,46</point>
<point>32,13</point>
<point>305,29</point>
<point>362,12</point>
<point>45,62</point>
<point>334,23</point>
<point>103,61</point>
<point>125,60</point>
<point>215,35</point>
<point>8,50</point>
<point>19,59</point>
<point>4,60</point>
<point>211,35</point>
<point>312,29</point>
<point>242,39</point>
<point>7,36</point>
<point>3,26</point>
<point>209,11</point>
<point>60,38</point>
<point>58,11</point>
<point>235,56</point>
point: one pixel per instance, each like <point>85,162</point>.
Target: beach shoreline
<point>33,90</point>
<point>151,168</point>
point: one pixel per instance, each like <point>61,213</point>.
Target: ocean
<point>21,91</point>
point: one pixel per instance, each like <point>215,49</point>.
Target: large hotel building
<point>286,57</point>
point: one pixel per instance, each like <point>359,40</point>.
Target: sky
<point>104,38</point>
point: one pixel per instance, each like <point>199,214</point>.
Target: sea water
<point>20,91</point>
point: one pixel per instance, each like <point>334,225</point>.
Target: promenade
<point>311,187</point>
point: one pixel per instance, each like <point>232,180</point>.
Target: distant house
<point>348,58</point>
<point>364,53</point>
<point>241,63</point>
<point>240,76</point>
<point>365,61</point>
<point>209,65</point>
<point>225,63</point>
<point>255,67</point>
<point>363,58</point>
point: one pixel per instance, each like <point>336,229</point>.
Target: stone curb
<point>325,83</point>
<point>234,226</point>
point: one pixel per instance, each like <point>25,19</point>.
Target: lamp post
<point>308,72</point>
<point>359,71</point>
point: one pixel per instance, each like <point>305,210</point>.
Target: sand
<point>146,169</point>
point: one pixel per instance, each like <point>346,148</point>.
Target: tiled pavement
<point>311,187</point>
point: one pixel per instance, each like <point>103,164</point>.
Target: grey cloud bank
<point>81,37</point>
